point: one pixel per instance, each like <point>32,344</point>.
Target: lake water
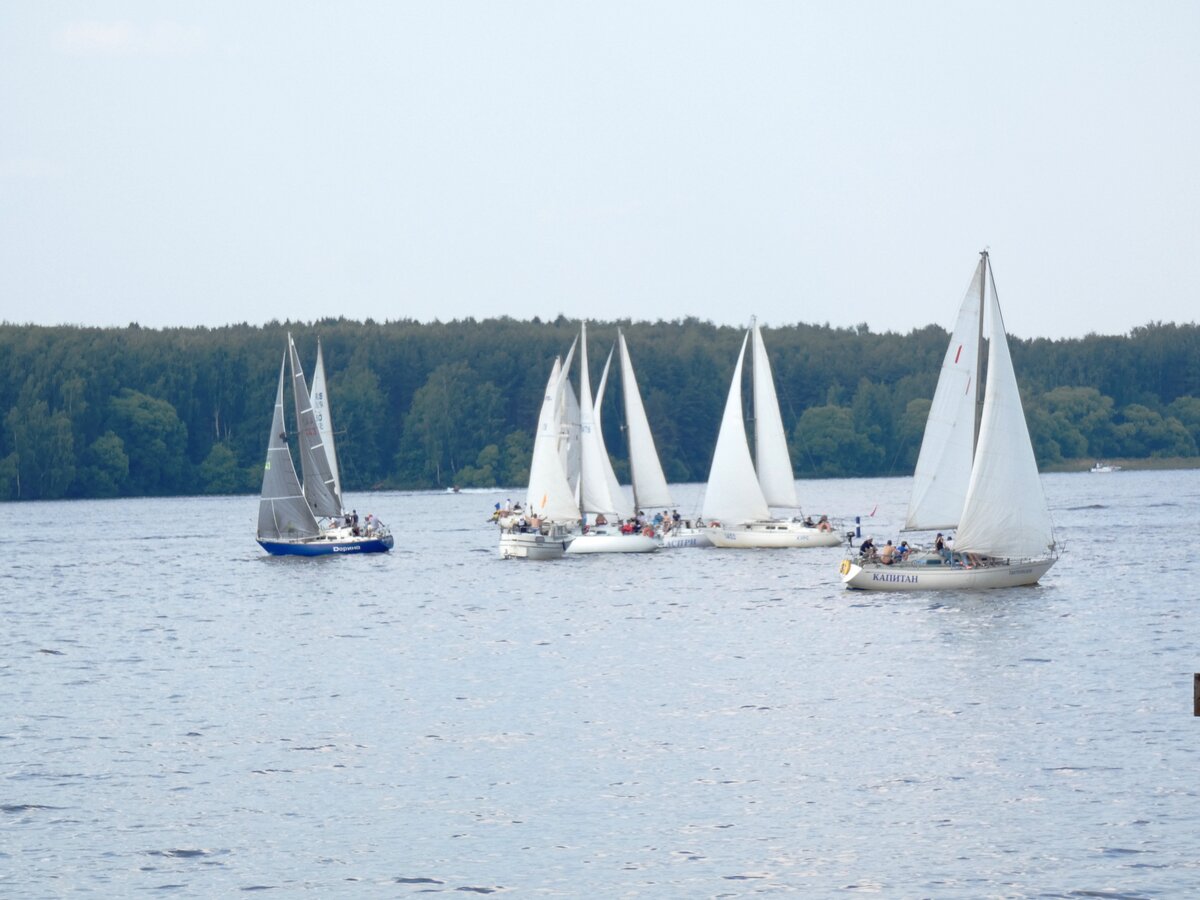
<point>183,716</point>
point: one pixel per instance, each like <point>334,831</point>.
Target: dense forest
<point>91,412</point>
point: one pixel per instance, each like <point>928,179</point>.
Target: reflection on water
<point>186,715</point>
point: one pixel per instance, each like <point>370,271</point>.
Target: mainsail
<point>282,510</point>
<point>624,509</point>
<point>595,494</point>
<point>649,484</point>
<point>770,441</point>
<point>318,479</point>
<point>324,418</point>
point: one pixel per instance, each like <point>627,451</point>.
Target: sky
<point>177,164</point>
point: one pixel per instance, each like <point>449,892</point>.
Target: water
<point>181,715</point>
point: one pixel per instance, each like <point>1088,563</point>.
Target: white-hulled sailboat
<point>650,489</point>
<point>739,497</point>
<point>544,529</point>
<point>976,471</point>
<point>600,495</point>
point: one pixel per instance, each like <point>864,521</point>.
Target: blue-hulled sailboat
<point>309,520</point>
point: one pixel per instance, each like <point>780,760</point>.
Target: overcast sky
<point>842,162</point>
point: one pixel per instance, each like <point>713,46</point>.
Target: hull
<point>614,543</point>
<point>676,540</point>
<point>771,535</point>
<point>531,545</point>
<point>923,577</point>
<point>328,546</point>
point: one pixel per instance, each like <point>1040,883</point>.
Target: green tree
<point>220,472</point>
<point>106,468</point>
<point>831,445</point>
<point>450,422</point>
<point>1143,432</point>
<point>483,473</point>
<point>1187,411</point>
<point>44,450</point>
<point>156,441</point>
<point>518,453</point>
<point>10,478</point>
<point>1080,420</point>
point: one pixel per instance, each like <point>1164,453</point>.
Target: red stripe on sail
<point>958,354</point>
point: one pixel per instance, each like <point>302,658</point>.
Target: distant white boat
<point>976,471</point>
<point>739,496</point>
<point>1105,467</point>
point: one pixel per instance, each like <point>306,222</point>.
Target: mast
<point>979,385</point>
<point>623,359</point>
<point>752,419</point>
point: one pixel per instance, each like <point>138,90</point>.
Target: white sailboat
<point>650,489</point>
<point>739,495</point>
<point>308,520</point>
<point>976,471</point>
<point>600,495</point>
<point>544,529</point>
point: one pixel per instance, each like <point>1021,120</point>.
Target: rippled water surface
<point>181,715</point>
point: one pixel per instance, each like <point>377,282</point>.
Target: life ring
<point>845,566</point>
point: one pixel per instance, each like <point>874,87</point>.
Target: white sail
<point>595,495</point>
<point>550,495</point>
<point>1005,512</point>
<point>948,446</point>
<point>282,510</point>
<point>624,508</point>
<point>318,479</point>
<point>770,441</point>
<point>649,484</point>
<point>324,417</point>
<point>733,493</point>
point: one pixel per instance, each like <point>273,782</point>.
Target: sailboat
<point>976,471</point>
<point>309,520</point>
<point>650,489</point>
<point>543,530</point>
<point>739,495</point>
<point>600,494</point>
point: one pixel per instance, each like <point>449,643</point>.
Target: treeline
<point>137,412</point>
